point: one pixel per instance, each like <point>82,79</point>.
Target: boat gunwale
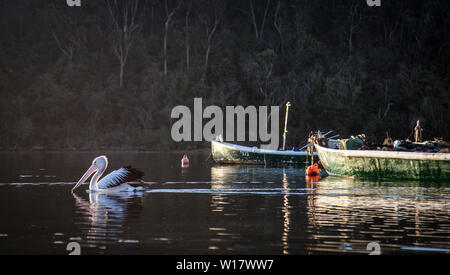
<point>258,150</point>
<point>387,154</point>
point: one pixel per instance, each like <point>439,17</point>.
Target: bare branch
<point>277,19</point>
<point>253,17</point>
<point>125,21</point>
<point>188,45</point>
<point>258,33</point>
<point>166,30</point>
<point>261,31</point>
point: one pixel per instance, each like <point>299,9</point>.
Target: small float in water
<point>185,162</point>
<point>313,170</point>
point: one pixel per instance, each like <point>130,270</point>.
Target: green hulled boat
<point>385,164</point>
<point>224,152</point>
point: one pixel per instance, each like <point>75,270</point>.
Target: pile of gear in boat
<point>359,142</point>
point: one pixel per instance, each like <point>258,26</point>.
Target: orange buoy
<point>313,170</point>
<point>185,161</point>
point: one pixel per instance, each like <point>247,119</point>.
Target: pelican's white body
<point>102,185</point>
<point>116,181</point>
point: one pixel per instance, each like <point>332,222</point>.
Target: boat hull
<point>223,152</point>
<point>385,164</point>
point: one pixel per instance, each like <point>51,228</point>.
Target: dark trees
<point>87,78</point>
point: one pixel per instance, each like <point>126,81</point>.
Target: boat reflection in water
<point>104,216</point>
<point>347,214</point>
<point>249,185</point>
<point>286,214</point>
<point>330,215</point>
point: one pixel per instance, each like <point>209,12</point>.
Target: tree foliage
<point>75,78</point>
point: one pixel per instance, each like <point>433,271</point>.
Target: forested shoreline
<point>107,74</point>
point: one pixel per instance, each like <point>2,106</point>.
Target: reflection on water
<point>208,209</point>
<point>286,214</point>
<point>395,214</point>
<point>345,215</point>
<point>105,213</point>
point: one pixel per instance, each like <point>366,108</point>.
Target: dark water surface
<point>210,209</point>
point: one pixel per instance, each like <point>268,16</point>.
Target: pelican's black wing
<point>120,176</point>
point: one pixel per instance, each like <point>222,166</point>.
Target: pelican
<point>117,181</point>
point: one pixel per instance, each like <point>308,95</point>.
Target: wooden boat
<point>224,152</point>
<point>385,164</point>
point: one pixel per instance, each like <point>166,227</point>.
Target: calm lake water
<point>212,209</point>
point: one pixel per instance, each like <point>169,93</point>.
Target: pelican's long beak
<point>86,175</point>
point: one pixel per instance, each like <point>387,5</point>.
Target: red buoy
<point>313,170</point>
<point>185,161</point>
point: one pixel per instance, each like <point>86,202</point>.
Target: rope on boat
<point>210,154</point>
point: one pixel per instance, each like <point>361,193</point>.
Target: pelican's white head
<point>101,162</point>
<point>98,164</point>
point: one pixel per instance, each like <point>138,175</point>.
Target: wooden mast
<point>288,104</point>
